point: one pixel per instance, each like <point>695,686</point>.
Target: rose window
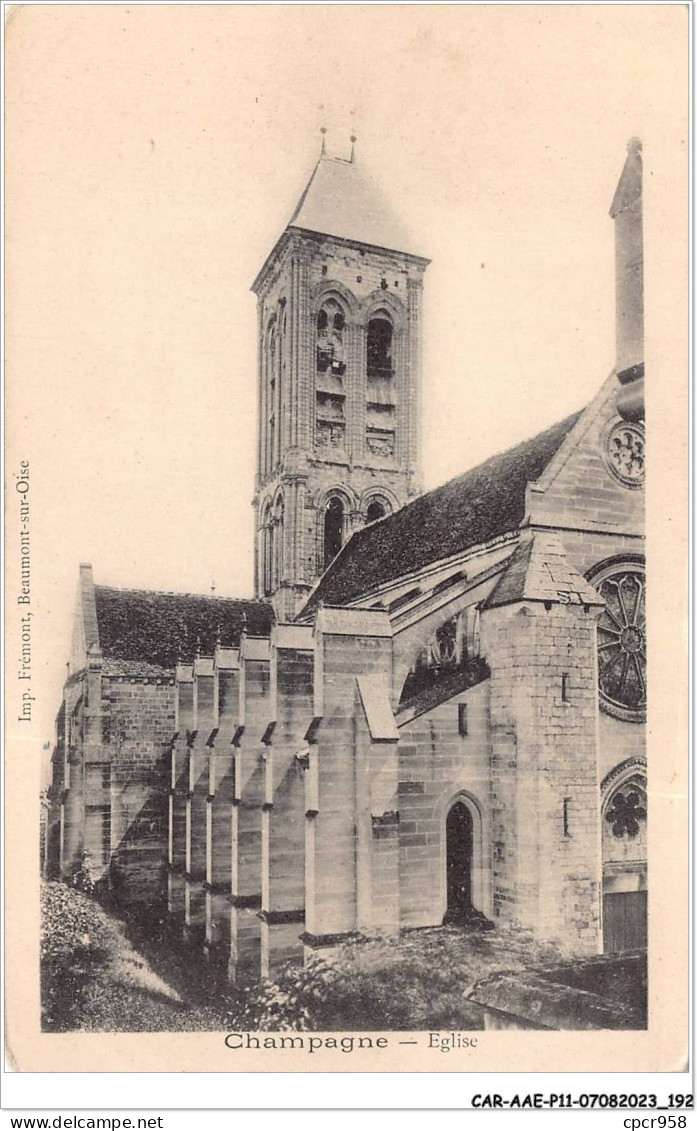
<point>625,453</point>
<point>626,813</point>
<point>622,642</point>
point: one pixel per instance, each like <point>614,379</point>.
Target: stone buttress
<point>539,637</point>
<point>351,830</point>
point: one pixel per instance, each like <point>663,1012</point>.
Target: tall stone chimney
<point>626,211</point>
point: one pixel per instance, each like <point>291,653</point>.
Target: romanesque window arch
<point>380,385</point>
<point>330,353</point>
<point>333,531</point>
<point>379,345</point>
<point>276,544</point>
<point>271,392</point>
<point>265,548</point>
<point>331,326</point>
<point>375,510</point>
<point>376,504</point>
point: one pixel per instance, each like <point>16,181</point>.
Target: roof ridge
<point>303,196</point>
<point>573,416</point>
<point>184,593</point>
<point>463,474</point>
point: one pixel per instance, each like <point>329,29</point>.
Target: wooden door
<point>624,921</point>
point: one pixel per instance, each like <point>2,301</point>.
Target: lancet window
<point>334,521</point>
<point>330,423</point>
<point>272,389</point>
<point>380,386</point>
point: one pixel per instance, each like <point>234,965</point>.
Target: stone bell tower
<point>339,372</point>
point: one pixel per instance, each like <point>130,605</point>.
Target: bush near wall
<point>76,939</point>
<point>94,980</point>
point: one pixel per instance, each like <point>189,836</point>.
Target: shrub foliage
<point>76,939</point>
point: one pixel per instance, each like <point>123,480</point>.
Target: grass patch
<point>93,980</point>
<point>103,974</point>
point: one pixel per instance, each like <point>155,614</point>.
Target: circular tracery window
<point>622,641</point>
<point>626,812</point>
<point>625,453</point>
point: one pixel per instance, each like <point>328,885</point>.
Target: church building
<point>433,710</point>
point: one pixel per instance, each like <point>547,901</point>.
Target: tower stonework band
<point>433,709</point>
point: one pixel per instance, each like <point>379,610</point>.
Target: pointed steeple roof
<point>342,200</point>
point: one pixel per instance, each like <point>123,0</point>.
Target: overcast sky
<point>156,153</point>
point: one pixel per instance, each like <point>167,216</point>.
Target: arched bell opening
<point>334,521</point>
<point>375,511</point>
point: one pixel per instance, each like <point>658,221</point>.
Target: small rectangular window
<point>566,815</point>
<point>565,687</point>
<point>462,718</point>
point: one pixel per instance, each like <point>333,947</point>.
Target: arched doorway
<point>459,848</point>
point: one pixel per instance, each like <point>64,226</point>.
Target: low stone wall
<point>608,992</point>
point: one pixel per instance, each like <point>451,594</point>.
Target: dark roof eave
<point>293,229</point>
<point>346,242</point>
<point>273,254</point>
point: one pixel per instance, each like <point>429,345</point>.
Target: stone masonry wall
<point>585,494</point>
<point>72,809</point>
<point>245,926</point>
<point>141,723</point>
<point>283,816</point>
<point>330,837</point>
<point>221,787</point>
<point>437,766</point>
<point>545,786</point>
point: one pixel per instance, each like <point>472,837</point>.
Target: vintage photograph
<point>328,525</point>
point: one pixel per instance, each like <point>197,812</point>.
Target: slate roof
<point>442,688</point>
<point>539,570</point>
<point>341,200</point>
<point>161,629</point>
<point>471,509</point>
